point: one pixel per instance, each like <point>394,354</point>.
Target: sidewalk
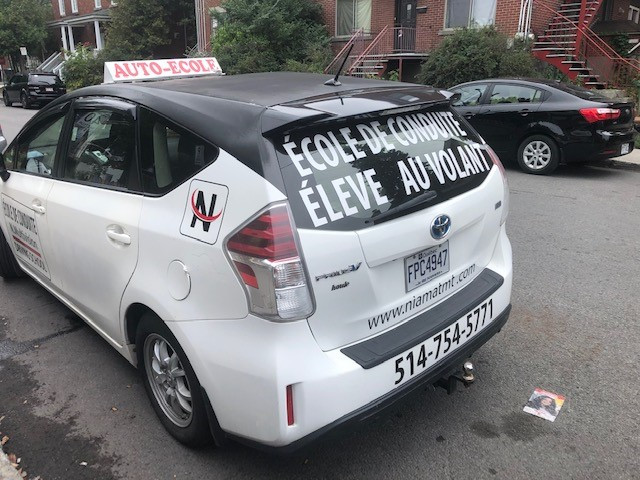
<point>7,472</point>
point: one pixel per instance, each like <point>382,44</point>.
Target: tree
<point>271,35</point>
<point>23,24</point>
<point>474,54</point>
<point>140,28</point>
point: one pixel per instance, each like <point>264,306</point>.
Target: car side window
<point>102,147</point>
<point>169,154</point>
<point>505,93</point>
<point>470,95</point>
<point>36,152</point>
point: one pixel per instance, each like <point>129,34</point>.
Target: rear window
<point>44,79</point>
<point>580,92</point>
<point>354,173</point>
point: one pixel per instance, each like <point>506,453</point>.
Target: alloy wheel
<point>536,155</point>
<point>168,380</point>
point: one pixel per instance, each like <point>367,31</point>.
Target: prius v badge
<point>337,273</point>
<point>440,227</point>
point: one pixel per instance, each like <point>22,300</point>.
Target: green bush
<point>475,54</point>
<point>271,35</point>
<point>82,68</point>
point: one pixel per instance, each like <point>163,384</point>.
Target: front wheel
<point>9,268</point>
<point>24,100</point>
<point>538,155</point>
<point>171,383</point>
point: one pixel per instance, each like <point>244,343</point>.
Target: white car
<point>276,255</point>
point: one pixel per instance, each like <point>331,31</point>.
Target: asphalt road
<point>13,118</point>
<point>573,330</point>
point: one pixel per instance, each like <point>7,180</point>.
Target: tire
<point>24,100</point>
<point>9,268</point>
<point>5,97</point>
<point>538,155</point>
<point>189,428</point>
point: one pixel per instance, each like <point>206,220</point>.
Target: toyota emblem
<point>440,227</point>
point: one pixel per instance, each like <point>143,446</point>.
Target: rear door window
<point>102,148</point>
<point>351,174</point>
<point>170,155</point>
<point>505,93</point>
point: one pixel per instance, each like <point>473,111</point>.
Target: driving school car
<point>277,256</point>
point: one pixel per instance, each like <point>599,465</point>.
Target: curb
<point>7,472</point>
<point>616,164</point>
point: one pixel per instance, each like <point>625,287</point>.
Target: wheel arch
<point>543,130</point>
<point>132,318</point>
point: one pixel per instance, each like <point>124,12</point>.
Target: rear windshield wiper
<point>424,197</point>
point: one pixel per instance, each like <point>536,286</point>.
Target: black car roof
<point>230,111</point>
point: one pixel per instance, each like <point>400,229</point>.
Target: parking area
<point>74,409</point>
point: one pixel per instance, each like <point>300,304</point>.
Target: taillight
<point>266,255</point>
<point>505,184</point>
<point>593,115</point>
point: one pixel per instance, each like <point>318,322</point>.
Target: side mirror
<point>4,173</point>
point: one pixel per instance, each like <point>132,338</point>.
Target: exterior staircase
<point>573,48</point>
<point>369,55</point>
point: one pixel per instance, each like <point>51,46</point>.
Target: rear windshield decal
<point>22,225</point>
<point>364,169</point>
<point>204,210</point>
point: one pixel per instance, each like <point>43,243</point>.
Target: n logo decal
<point>204,211</point>
<point>200,210</point>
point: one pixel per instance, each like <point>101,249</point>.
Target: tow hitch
<point>466,377</point>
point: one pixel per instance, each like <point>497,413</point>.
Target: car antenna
<point>334,82</point>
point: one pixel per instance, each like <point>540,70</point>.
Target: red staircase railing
<point>369,51</point>
<point>598,54</point>
<point>357,40</point>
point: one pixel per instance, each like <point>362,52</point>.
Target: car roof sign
<point>144,70</point>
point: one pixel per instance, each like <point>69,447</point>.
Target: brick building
<point>81,21</point>
<point>399,34</point>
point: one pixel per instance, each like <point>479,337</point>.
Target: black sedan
<point>543,123</point>
<point>33,88</point>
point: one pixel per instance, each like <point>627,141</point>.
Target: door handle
<point>524,112</point>
<point>469,115</point>
<point>118,236</point>
<point>38,207</point>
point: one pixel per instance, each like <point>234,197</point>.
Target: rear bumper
<point>245,366</point>
<point>43,97</point>
<point>379,405</point>
<point>600,145</point>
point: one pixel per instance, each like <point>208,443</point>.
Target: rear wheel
<point>9,267</point>
<point>538,155</point>
<point>171,383</point>
<point>5,97</point>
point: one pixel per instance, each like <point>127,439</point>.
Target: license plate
<point>426,265</point>
<point>49,89</point>
<point>625,149</point>
<point>422,357</point>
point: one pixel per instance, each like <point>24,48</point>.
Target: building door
<point>405,31</point>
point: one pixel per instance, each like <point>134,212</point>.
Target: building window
<point>470,13</point>
<point>74,6</point>
<point>352,15</point>
<point>634,14</point>
<point>61,7</point>
<point>98,4</point>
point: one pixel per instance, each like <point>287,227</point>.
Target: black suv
<point>32,88</point>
